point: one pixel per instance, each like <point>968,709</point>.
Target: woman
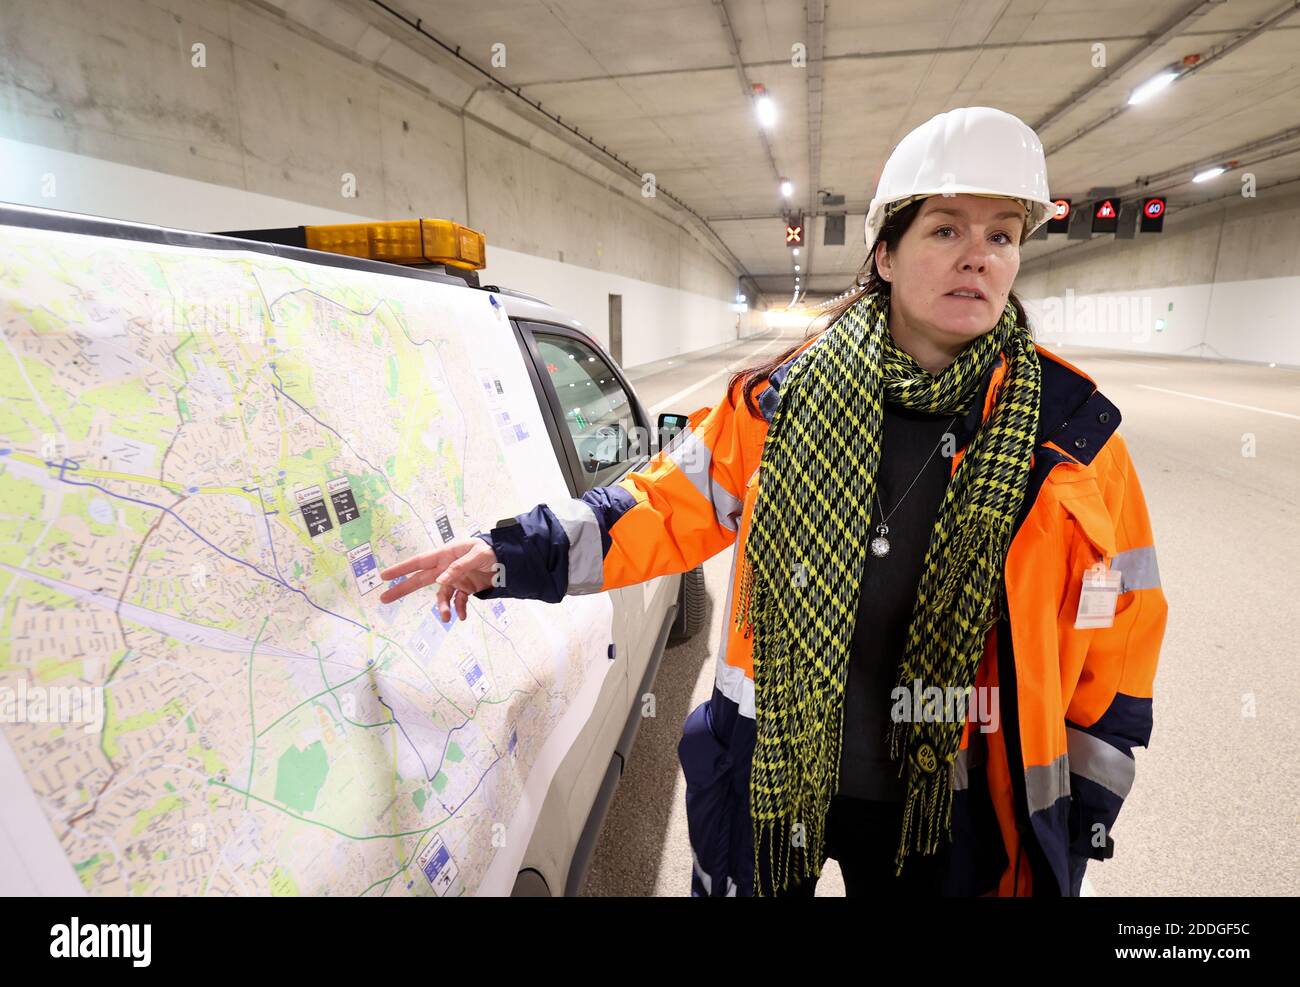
<point>936,665</point>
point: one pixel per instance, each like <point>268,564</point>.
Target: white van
<point>209,447</point>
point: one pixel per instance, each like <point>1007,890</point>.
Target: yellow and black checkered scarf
<point>803,563</point>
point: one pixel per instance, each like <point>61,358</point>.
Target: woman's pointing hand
<point>460,568</point>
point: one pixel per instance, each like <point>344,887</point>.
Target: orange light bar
<point>405,241</point>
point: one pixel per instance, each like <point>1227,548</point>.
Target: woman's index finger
<point>425,560</point>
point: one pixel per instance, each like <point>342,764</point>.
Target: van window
<point>596,409</point>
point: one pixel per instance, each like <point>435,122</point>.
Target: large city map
<point>206,458</point>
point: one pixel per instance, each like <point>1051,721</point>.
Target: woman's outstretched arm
<point>678,510</point>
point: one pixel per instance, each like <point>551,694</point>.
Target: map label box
<point>364,567</point>
<point>345,503</point>
<point>312,504</point>
<point>444,524</point>
<point>437,866</point>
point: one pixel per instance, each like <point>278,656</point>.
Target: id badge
<point>1098,596</point>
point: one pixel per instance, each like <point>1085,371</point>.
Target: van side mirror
<point>668,426</point>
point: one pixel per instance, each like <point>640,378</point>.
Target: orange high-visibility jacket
<point>1034,799</point>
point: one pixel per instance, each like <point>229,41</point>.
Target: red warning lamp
<point>1153,214</point>
<point>1105,216</point>
<point>1060,222</point>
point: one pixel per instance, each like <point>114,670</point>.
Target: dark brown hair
<point>868,280</point>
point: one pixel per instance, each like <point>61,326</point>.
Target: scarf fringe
<point>927,816</point>
<point>788,864</point>
<point>743,618</point>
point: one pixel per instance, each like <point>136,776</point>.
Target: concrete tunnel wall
<point>107,115</point>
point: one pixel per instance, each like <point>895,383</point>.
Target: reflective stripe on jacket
<point>1033,799</point>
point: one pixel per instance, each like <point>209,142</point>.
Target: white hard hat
<point>976,150</point>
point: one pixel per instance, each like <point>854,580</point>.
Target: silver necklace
<point>880,544</point>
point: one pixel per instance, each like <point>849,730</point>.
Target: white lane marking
<point>1148,366</point>
<point>725,371</point>
<point>1230,404</point>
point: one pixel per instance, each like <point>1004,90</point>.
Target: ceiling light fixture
<point>764,107</point>
<point>1152,86</point>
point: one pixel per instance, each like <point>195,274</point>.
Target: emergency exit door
<point>616,328</point>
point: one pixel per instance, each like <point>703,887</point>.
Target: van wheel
<point>691,601</point>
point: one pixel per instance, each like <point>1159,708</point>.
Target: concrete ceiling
<point>655,81</point>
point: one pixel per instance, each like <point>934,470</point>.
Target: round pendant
<point>879,546</point>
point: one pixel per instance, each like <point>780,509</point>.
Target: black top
<point>888,594</point>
